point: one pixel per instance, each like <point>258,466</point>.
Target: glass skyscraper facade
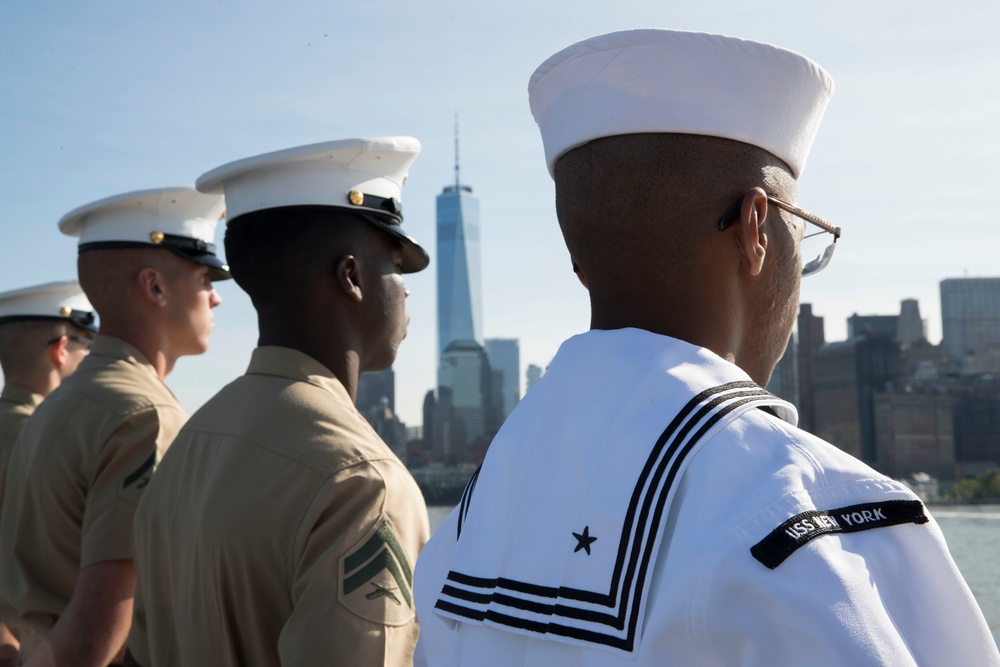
<point>970,316</point>
<point>460,312</point>
<point>505,356</point>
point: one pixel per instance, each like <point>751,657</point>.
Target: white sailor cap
<point>364,176</point>
<point>650,80</point>
<point>51,301</point>
<point>181,220</point>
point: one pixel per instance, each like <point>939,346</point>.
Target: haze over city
<point>108,97</point>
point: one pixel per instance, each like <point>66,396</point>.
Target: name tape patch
<point>801,528</point>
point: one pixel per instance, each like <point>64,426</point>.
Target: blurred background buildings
<point>912,410</point>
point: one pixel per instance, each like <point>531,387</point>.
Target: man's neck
<point>707,315</point>
<point>38,383</point>
<point>148,339</point>
<point>328,348</point>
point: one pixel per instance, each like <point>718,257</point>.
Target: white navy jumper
<point>646,503</point>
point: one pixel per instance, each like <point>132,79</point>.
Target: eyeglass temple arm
<point>806,215</point>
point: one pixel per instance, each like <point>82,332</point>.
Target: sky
<point>103,97</point>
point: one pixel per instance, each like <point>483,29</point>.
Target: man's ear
<point>152,286</point>
<point>751,239</point>
<point>348,273</point>
<point>579,274</point>
<point>57,351</point>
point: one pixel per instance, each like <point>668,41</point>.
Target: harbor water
<point>973,534</point>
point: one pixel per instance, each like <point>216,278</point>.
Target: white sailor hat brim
<point>364,176</point>
<point>669,81</point>
<point>179,219</point>
<point>63,300</point>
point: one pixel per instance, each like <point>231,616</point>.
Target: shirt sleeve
<point>436,632</point>
<point>888,596</point>
<point>352,578</point>
<point>123,469</point>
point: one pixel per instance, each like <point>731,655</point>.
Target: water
<point>973,534</point>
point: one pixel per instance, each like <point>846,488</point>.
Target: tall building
<point>848,375</point>
<point>459,288</point>
<point>375,389</point>
<point>872,325</point>
<point>784,381</point>
<point>914,433</point>
<point>911,329</point>
<point>970,318</point>
<point>532,375</point>
<point>505,356</point>
<point>376,401</point>
<point>464,417</point>
<point>811,338</point>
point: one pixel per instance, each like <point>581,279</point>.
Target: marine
<point>45,332</point>
<point>147,264</point>
<point>280,529</point>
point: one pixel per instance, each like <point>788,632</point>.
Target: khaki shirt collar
<point>288,363</point>
<point>116,348</point>
<point>109,346</point>
<point>13,393</point>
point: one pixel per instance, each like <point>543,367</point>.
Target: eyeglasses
<point>821,256</point>
<point>85,342</point>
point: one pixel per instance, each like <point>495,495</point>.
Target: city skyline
<point>908,408</point>
<point>97,99</point>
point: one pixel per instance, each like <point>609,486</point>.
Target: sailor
<point>281,529</point>
<point>648,502</point>
<point>146,263</point>
<point>45,332</point>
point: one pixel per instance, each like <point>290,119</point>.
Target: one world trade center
<point>460,312</point>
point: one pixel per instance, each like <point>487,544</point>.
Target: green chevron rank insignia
<point>376,578</point>
<point>136,481</point>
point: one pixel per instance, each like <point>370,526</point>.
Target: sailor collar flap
<point>615,421</point>
<point>286,362</point>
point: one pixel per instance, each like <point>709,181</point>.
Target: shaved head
<point>275,254</point>
<point>108,275</point>
<point>650,201</point>
<point>23,344</point>
<point>640,216</point>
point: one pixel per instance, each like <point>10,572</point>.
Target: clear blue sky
<point>102,97</point>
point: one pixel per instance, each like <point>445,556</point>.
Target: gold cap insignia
<point>65,311</point>
<point>156,237</point>
<point>356,197</point>
<point>223,216</point>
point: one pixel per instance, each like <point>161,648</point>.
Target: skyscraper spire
<point>459,282</point>
<point>457,181</point>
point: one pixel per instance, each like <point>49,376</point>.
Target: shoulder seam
<point>321,472</point>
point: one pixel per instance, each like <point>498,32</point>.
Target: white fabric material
<point>566,458</point>
<point>318,174</point>
<point>135,216</point>
<point>649,80</point>
<point>46,300</point>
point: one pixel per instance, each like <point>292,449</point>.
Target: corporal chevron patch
<point>376,579</point>
<point>136,481</point>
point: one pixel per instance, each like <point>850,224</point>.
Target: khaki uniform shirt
<point>76,475</point>
<point>279,529</point>
<point>16,405</point>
